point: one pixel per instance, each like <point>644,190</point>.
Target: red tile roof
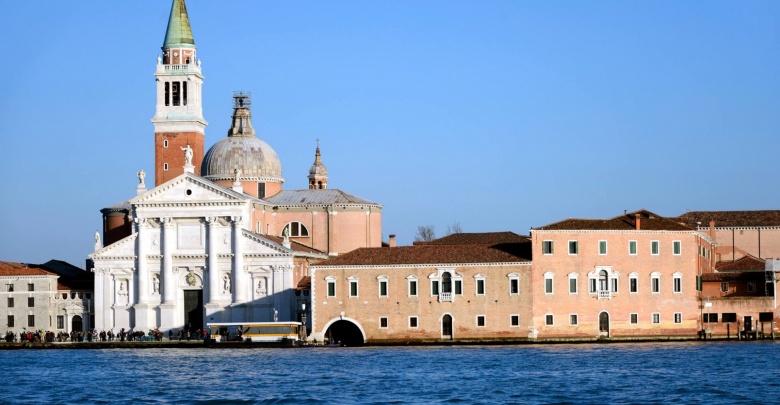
<point>304,284</point>
<point>731,218</point>
<point>757,276</point>
<point>424,254</point>
<point>21,269</point>
<point>484,238</point>
<point>744,263</point>
<point>296,246</point>
<point>648,222</point>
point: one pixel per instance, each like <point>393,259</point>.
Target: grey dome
<point>254,157</point>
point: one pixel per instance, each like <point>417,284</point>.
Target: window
<point>175,93</point>
<point>383,322</point>
<point>10,302</point>
<point>751,286</point>
<point>677,248</point>
<point>548,320</point>
<point>656,318</point>
<point>412,286</point>
<point>711,318</point>
<point>547,247</point>
<point>573,247</point>
<point>383,288</point>
<point>727,317</point>
<point>480,286</point>
<point>677,283</point>
<point>60,322</point>
<point>165,167</point>
<point>434,287</point>
<point>632,247</point>
<point>654,247</point>
<point>458,287</point>
<point>633,283</point>
<point>10,321</point>
<point>481,321</point>
<point>260,190</point>
<point>677,317</point>
<point>514,286</point>
<point>613,285</point>
<point>31,287</point>
<point>514,320</point>
<point>167,93</point>
<point>165,145</point>
<point>295,229</point>
<point>634,318</point>
<point>592,285</point>
<point>655,283</point>
<point>573,283</point>
<point>30,302</point>
<point>548,283</point>
<point>412,321</point>
<point>353,288</point>
<point>573,319</point>
<point>331,286</point>
<point>724,287</point>
<point>602,247</point>
<point>9,287</point>
<point>30,321</point>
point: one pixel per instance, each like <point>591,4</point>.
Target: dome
<point>254,157</point>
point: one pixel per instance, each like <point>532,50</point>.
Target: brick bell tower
<point>178,120</point>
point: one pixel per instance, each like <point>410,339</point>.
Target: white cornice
<point>406,266</point>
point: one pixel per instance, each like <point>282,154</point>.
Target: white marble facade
<point>189,235</point>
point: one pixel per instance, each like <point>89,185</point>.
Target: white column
<point>213,266</point>
<point>100,305</point>
<point>239,278</point>
<point>143,271</point>
<point>168,283</point>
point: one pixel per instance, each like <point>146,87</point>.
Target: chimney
<point>638,221</point>
<point>392,241</point>
<point>712,229</point>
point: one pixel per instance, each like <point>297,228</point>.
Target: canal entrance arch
<point>345,332</point>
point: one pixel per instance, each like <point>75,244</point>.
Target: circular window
<point>189,192</point>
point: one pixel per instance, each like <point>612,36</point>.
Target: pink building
<point>631,275</point>
<point>739,233</point>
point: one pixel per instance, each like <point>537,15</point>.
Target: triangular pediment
<point>123,248</point>
<point>188,188</point>
<point>260,245</point>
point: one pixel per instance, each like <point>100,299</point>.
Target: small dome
<point>254,157</point>
<point>318,169</point>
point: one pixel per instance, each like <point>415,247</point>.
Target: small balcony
<point>604,294</point>
<point>445,297</point>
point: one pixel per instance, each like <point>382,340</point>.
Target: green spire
<point>179,33</point>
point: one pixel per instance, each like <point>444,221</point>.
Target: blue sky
<point>497,115</point>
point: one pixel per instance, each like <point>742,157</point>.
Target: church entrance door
<point>193,310</point>
<point>76,324</point>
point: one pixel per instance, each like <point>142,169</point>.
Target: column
<point>142,307</point>
<point>213,262</point>
<point>239,278</point>
<point>168,305</point>
<point>100,305</point>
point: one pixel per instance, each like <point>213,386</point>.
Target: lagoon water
<point>662,373</point>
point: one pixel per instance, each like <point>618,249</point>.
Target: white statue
<point>237,172</point>
<point>156,284</point>
<point>159,59</point>
<point>97,238</point>
<point>227,283</point>
<point>141,177</point>
<point>187,155</point>
<point>121,286</point>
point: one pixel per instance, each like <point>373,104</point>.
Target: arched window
<point>446,282</point>
<point>296,229</point>
<point>603,281</point>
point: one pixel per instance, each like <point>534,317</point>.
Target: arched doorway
<point>446,327</point>
<point>604,324</point>
<point>344,332</point>
<point>76,324</point>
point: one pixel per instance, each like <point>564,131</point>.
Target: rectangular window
<point>260,190</point>
<point>656,318</point>
<point>633,285</point>
<point>60,321</point>
<point>654,247</point>
<point>677,248</point>
<point>592,285</point>
<point>331,288</point>
<point>30,321</point>
<point>710,318</point>
<point>573,285</point>
<point>632,247</point>
<point>480,320</point>
<point>573,247</point>
<point>514,286</point>
<point>167,93</point>
<point>548,320</point>
<point>30,302</point>
<point>184,93</point>
<point>514,320</point>
<point>677,317</point>
<point>602,247</point>
<point>614,285</point>
<point>383,288</point>
<point>573,319</point>
<point>726,317</point>
<point>31,287</point>
<point>353,288</point>
<point>10,302</point>
<point>412,321</point>
<point>724,287</point>
<point>9,287</point>
<point>677,285</point>
<point>751,286</point>
<point>175,93</point>
<point>548,286</point>
<point>634,318</point>
<point>458,287</point>
<point>547,247</point>
<point>655,283</point>
<point>434,287</point>
<point>383,322</point>
<point>480,287</point>
<point>412,288</point>
<point>10,321</point>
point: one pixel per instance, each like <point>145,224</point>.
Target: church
<point>217,238</point>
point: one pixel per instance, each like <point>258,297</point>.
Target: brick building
<point>739,233</point>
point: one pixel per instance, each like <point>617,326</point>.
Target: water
<point>712,373</point>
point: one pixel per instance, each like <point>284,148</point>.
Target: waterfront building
<point>739,233</point>
<point>54,296</point>
<point>631,275</point>
<point>217,239</point>
<point>463,287</point>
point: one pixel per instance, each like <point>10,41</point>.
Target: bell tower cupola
<point>318,174</point>
<point>178,120</point>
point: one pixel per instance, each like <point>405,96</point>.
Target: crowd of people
<point>103,336</point>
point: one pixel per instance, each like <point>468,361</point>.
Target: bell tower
<point>178,120</point>
<point>318,174</point>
